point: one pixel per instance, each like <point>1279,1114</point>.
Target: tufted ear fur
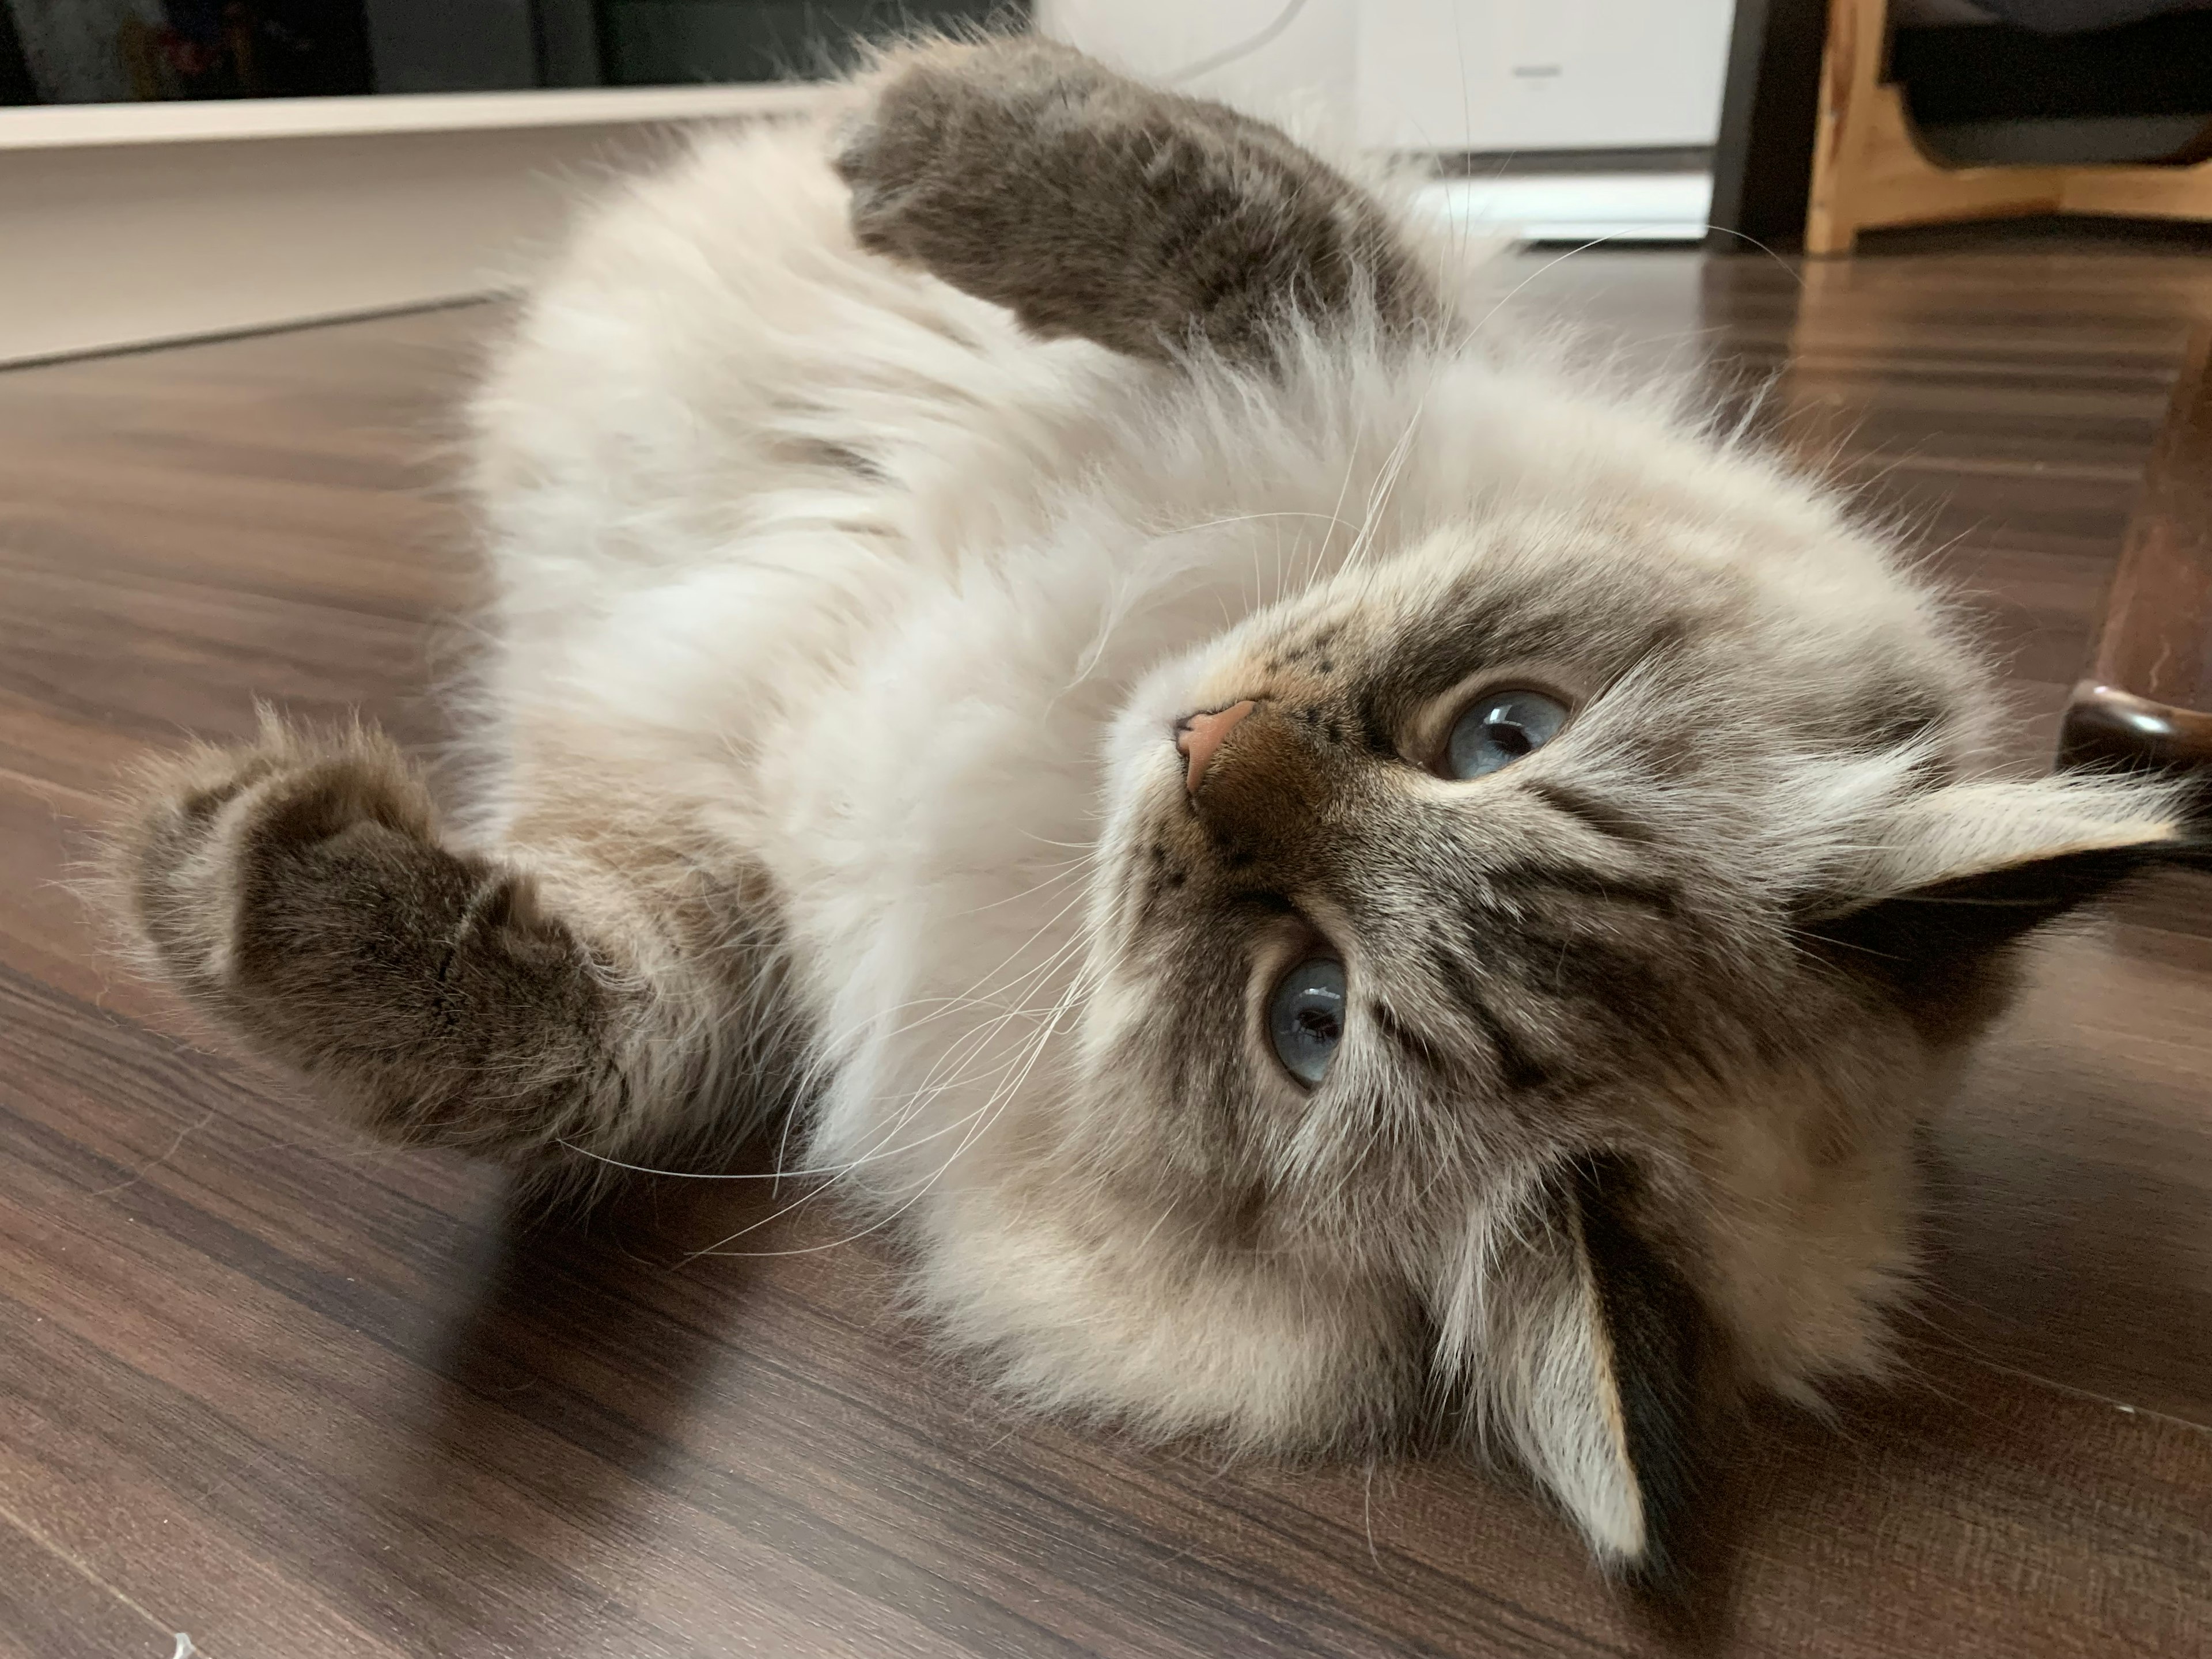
<point>1953,876</point>
<point>1588,1354</point>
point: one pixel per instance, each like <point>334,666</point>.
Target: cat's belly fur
<point>883,684</point>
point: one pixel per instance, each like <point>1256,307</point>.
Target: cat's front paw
<point>295,889</point>
<point>1089,204</point>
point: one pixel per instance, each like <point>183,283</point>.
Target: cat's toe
<point>200,834</point>
<point>945,121</point>
<point>886,153</point>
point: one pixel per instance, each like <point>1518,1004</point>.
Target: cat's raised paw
<point>1089,204</point>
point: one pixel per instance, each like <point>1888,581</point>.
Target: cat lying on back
<point>1344,883</point>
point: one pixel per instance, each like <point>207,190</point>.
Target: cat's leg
<point>1022,172</point>
<point>298,890</point>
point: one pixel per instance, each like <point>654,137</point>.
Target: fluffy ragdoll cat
<point>1346,884</point>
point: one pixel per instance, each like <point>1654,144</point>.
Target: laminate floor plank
<point>308,1400</point>
<point>49,1604</point>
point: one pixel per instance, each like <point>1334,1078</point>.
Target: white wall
<point>122,246</point>
<point>126,224</point>
<point>122,224</point>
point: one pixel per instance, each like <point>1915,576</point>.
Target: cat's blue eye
<point>1498,728</point>
<point>1305,1018</point>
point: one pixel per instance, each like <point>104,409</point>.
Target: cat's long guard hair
<point>1341,880</point>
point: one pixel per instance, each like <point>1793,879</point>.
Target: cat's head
<point>1565,921</point>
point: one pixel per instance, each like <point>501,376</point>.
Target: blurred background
<point>170,168</point>
<point>178,167</point>
<point>77,52</point>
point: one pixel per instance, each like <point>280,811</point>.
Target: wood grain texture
<point>309,1401</point>
<point>2149,192</point>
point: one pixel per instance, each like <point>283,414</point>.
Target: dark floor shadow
<point>564,1389</point>
<point>1692,1610</point>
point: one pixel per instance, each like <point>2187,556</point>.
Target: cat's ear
<point>1591,1357</point>
<point>1950,876</point>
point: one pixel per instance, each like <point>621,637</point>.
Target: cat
<point>1342,881</point>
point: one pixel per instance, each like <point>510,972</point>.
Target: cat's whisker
<point>877,1152</point>
<point>1054,880</point>
<point>994,1107</point>
<point>779,1174</point>
<point>1514,293</point>
<point>975,991</point>
<point>1344,494</point>
<point>1380,495</point>
<point>949,1074</point>
<point>880,1150</point>
<point>1795,272</point>
<point>1044,928</point>
<point>978,1036</point>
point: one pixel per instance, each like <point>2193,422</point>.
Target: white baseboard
<point>1579,207</point>
<point>75,126</point>
<point>139,227</point>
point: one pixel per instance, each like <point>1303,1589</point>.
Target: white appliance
<point>1487,78</point>
<point>1451,76</point>
<point>1490,75</point>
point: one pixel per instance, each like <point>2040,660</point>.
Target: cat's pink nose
<point>1199,736</point>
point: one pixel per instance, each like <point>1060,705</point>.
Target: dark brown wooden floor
<point>301,1399</point>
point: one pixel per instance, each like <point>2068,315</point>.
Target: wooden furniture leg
<point>1870,168</point>
<point>2147,698</point>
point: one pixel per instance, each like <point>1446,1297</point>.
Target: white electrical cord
<point>1222,60</point>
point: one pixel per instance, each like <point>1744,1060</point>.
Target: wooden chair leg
<point>2147,698</point>
<point>1868,167</point>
